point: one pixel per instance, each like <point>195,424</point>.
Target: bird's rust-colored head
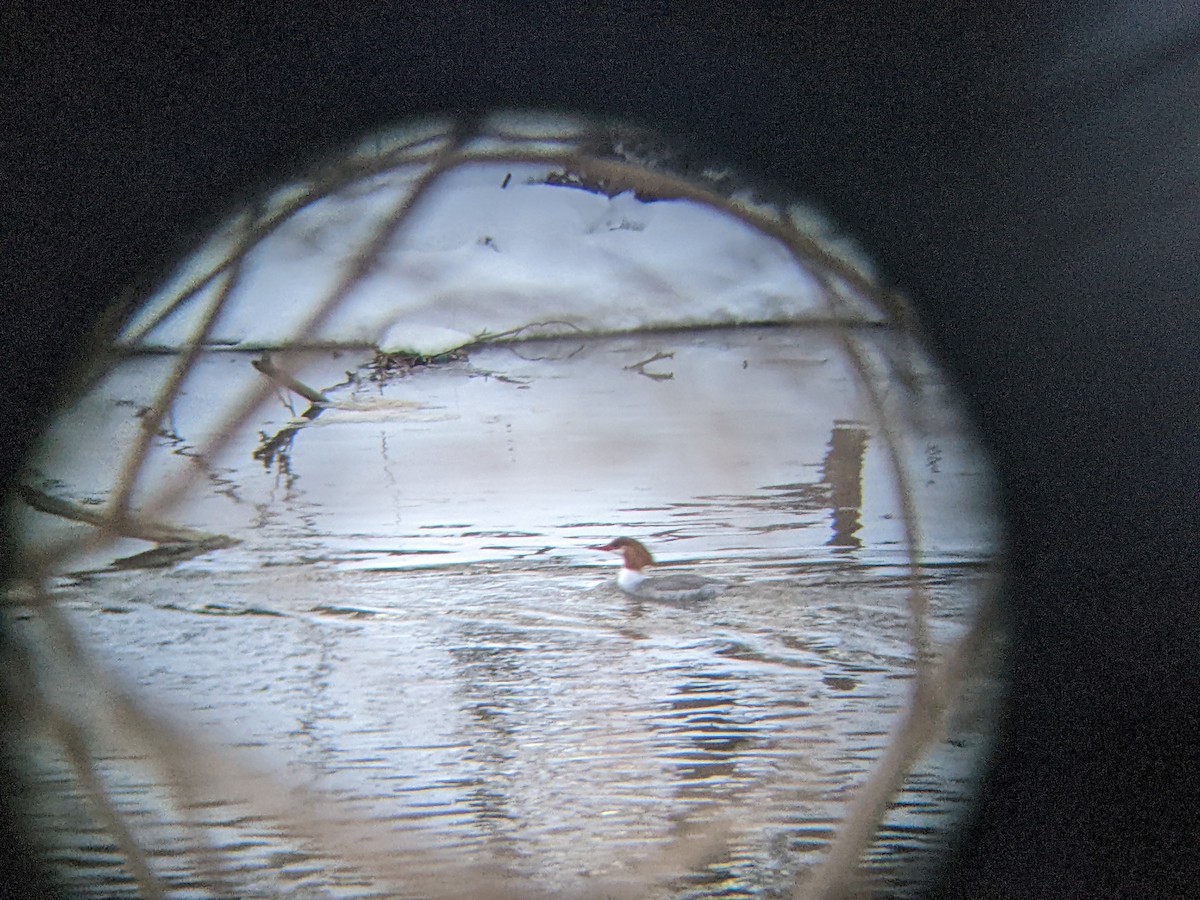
<point>637,557</point>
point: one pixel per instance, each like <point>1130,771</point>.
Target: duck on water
<point>633,580</point>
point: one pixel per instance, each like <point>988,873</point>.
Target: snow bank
<point>489,248</point>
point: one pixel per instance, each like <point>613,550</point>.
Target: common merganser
<point>633,580</point>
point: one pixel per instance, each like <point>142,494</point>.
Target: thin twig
<point>640,367</point>
<point>129,526</point>
<point>277,375</point>
<point>502,336</point>
<point>151,422</point>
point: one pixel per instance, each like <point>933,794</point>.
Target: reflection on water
<point>570,732</point>
<point>757,447</point>
<point>843,473</point>
<point>411,625</point>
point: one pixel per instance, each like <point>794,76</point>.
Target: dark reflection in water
<point>840,489</point>
<point>490,674</point>
<point>843,474</point>
<point>703,713</point>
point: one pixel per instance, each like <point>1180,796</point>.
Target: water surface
<point>413,633</point>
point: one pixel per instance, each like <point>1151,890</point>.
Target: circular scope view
<point>523,510</point>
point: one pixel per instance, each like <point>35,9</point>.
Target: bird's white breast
<point>629,579</point>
